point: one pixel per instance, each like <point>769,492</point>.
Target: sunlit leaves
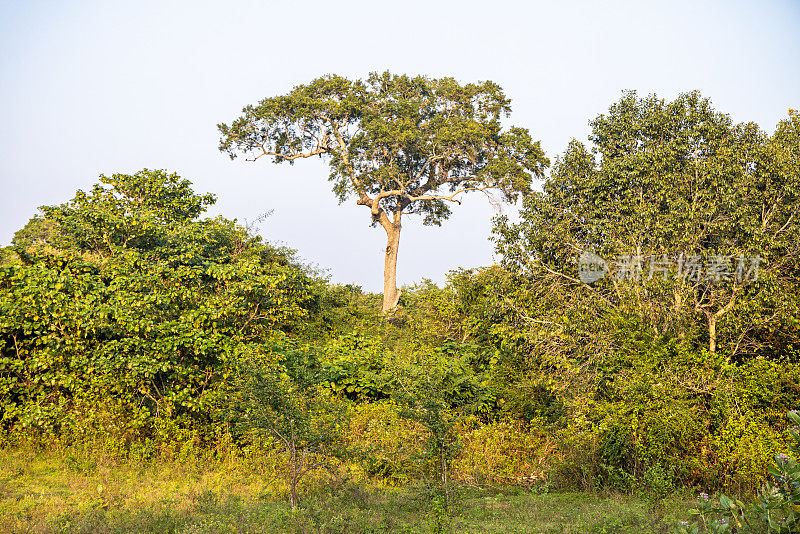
<point>394,137</point>
<point>128,294</point>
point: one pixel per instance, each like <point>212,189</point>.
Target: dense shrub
<point>120,319</point>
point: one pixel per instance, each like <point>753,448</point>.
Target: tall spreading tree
<point>681,185</point>
<point>397,144</point>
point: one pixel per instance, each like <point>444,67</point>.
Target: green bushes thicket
<point>132,327</point>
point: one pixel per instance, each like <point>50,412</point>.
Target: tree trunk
<point>391,295</point>
<point>293,496</point>
<point>293,481</point>
<point>445,482</point>
<point>712,324</point>
<point>712,334</point>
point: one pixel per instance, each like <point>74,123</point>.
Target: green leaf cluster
<point>126,308</point>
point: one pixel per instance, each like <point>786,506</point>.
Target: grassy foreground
<point>45,493</point>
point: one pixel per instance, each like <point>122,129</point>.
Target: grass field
<point>46,493</point>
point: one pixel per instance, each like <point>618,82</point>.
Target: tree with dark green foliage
<point>675,180</point>
<point>125,306</point>
<point>397,144</point>
<point>638,359</point>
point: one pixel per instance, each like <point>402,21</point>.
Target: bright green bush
<point>353,366</point>
<point>122,313</point>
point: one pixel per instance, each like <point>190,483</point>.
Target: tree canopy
<point>397,144</point>
<point>673,184</point>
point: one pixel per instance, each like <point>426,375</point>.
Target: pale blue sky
<point>102,87</point>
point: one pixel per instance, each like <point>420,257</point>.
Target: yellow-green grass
<point>49,492</point>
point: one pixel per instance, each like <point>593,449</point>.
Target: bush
<point>775,510</point>
<point>504,452</point>
<point>384,444</point>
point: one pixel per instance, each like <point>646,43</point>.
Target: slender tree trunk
<point>712,324</point>
<point>293,497</point>
<point>293,481</point>
<point>445,482</point>
<point>712,334</point>
<point>391,295</point>
<point>678,312</point>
